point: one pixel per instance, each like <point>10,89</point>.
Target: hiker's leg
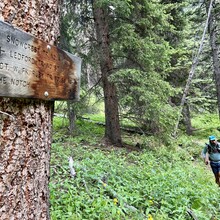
<point>218,179</point>
<point>215,170</point>
<point>217,175</point>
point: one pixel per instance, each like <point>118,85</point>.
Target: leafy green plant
<point>112,183</point>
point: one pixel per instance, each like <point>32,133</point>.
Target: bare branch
<point>192,71</point>
<point>72,170</point>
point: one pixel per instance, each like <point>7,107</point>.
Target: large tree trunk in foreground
<point>112,131</point>
<point>25,131</point>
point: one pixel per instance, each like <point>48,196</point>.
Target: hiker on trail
<point>211,155</point>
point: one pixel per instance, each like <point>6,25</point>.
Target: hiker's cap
<point>212,138</point>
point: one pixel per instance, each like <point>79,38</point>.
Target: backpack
<point>215,149</point>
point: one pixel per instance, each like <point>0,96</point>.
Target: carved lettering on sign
<point>29,67</point>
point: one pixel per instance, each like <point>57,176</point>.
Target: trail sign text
<point>31,68</point>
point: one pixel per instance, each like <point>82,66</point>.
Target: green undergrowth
<point>163,182</point>
<point>205,125</point>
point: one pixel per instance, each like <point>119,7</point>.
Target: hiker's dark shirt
<point>214,155</point>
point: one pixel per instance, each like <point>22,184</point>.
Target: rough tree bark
<point>112,131</point>
<point>25,135</point>
<point>187,119</point>
<point>214,32</point>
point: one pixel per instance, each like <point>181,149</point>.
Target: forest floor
<point>134,183</point>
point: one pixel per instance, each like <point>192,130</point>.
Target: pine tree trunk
<point>25,126</point>
<point>187,119</point>
<point>71,116</point>
<point>112,131</point>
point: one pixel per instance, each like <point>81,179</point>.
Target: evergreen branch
<point>192,71</point>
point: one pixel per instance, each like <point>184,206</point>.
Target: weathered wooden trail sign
<point>31,68</point>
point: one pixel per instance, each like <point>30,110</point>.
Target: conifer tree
<point>143,42</point>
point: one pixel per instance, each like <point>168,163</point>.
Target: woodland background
<point>149,100</point>
<point>131,147</point>
<point>138,59</point>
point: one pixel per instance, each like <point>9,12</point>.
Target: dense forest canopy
<point>137,56</point>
